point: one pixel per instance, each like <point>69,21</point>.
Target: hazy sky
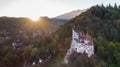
<point>51,8</point>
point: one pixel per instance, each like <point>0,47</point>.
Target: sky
<point>51,8</point>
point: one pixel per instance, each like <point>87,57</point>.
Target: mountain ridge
<point>69,15</point>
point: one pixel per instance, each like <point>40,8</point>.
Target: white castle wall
<point>79,47</point>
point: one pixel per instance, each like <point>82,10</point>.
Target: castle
<point>81,43</point>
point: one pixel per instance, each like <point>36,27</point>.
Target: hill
<point>48,24</point>
<point>103,24</point>
<point>69,15</point>
<point>23,41</point>
<point>12,24</point>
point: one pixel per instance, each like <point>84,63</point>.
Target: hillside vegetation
<point>23,41</point>
<point>103,24</point>
<point>44,24</point>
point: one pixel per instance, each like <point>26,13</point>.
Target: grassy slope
<point>56,62</point>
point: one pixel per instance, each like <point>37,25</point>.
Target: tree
<point>115,6</point>
<point>35,54</point>
<point>27,52</point>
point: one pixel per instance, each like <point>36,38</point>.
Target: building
<point>81,43</point>
<point>17,44</point>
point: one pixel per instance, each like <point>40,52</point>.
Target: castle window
<point>82,41</point>
<point>75,48</point>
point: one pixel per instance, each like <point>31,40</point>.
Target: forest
<point>101,22</point>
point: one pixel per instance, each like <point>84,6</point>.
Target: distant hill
<point>13,25</point>
<point>69,15</point>
<point>49,24</point>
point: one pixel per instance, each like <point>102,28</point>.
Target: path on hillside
<point>69,52</point>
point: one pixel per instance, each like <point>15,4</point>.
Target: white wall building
<point>80,43</point>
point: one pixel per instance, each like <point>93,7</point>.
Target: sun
<point>34,18</point>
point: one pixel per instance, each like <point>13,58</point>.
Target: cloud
<point>5,3</point>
